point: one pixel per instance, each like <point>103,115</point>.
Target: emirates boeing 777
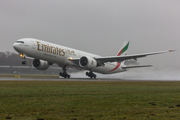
<point>46,53</point>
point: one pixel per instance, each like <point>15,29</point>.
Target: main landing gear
<point>64,74</point>
<point>91,75</point>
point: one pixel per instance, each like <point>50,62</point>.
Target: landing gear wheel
<point>65,75</point>
<point>94,76</point>
<point>24,62</point>
<point>60,74</point>
<point>68,76</point>
<point>91,75</point>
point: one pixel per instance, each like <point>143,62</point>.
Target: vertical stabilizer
<point>124,48</point>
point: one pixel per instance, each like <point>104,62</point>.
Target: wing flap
<point>125,67</point>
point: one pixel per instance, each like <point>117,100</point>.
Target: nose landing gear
<point>23,60</point>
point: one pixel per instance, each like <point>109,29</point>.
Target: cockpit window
<point>20,41</point>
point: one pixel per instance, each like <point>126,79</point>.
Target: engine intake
<point>40,64</point>
<point>87,62</point>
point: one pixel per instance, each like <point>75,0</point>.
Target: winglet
<point>172,50</point>
<point>124,48</point>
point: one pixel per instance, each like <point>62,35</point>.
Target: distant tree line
<point>12,59</point>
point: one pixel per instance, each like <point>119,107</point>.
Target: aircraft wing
<point>102,60</point>
<point>126,57</point>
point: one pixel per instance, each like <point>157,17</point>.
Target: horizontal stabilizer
<point>125,67</point>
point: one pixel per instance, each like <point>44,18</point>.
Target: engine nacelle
<point>40,64</point>
<point>87,62</point>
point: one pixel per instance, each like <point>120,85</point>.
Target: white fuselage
<point>60,55</point>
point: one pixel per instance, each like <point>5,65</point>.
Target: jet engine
<point>40,64</point>
<point>87,62</point>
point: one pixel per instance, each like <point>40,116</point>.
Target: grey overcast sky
<point>96,26</point>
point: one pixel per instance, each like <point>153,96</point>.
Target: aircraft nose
<point>17,47</point>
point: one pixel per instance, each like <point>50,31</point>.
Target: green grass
<point>33,100</point>
<point>30,75</point>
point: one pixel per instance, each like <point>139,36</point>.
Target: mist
<point>154,73</point>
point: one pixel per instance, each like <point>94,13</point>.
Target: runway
<point>55,79</point>
<point>74,79</point>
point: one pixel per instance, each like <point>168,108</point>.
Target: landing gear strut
<point>91,74</point>
<point>24,61</point>
<point>64,74</point>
